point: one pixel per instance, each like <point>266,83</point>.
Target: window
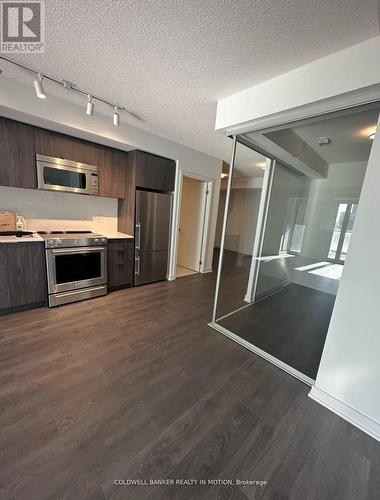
<point>341,236</point>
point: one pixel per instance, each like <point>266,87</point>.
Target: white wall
<point>50,211</point>
<point>19,101</point>
<point>242,220</point>
<point>340,73</point>
<point>349,373</point>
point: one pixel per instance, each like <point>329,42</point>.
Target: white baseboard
<point>355,417</point>
<point>207,270</point>
<point>248,299</point>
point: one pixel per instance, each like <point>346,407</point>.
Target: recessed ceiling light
<point>223,176</point>
<point>261,164</point>
<point>324,141</point>
<point>372,136</point>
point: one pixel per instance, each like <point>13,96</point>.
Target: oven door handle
<point>66,251</point>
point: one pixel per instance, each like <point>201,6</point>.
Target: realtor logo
<point>22,26</point>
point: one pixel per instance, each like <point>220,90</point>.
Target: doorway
<point>192,226</point>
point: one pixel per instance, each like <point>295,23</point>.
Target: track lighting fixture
<point>67,84</point>
<point>116,116</point>
<point>39,87</point>
<point>90,106</point>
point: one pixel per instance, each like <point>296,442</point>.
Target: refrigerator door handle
<point>137,266</point>
<point>138,236</point>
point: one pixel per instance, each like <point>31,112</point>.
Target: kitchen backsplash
<point>46,210</point>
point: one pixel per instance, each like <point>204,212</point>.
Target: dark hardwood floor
<point>135,385</point>
<point>290,324</point>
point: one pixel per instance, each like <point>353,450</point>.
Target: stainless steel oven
<point>76,268</point>
<point>57,174</point>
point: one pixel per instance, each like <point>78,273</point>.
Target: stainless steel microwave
<point>57,174</point>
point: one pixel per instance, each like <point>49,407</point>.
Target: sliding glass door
<point>277,296</point>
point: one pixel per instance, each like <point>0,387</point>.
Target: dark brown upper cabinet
<point>64,146</point>
<point>154,172</point>
<point>113,173</point>
<point>17,156</point>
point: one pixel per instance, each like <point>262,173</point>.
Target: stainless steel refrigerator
<point>152,236</point>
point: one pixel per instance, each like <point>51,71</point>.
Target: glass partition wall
<point>290,213</point>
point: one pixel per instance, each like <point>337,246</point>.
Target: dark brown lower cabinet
<point>120,260</point>
<point>22,276</point>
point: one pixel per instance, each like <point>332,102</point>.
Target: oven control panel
<point>75,242</point>
<point>54,243</point>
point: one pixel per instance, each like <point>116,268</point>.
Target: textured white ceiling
<point>170,60</point>
<point>348,135</point>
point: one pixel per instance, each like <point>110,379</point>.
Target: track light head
<point>39,87</point>
<point>90,106</point>
<point>116,116</point>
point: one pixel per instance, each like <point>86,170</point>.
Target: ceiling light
<point>67,84</point>
<point>324,141</point>
<point>261,164</point>
<point>116,116</point>
<point>223,176</point>
<point>367,132</point>
<point>39,87</point>
<point>90,106</point>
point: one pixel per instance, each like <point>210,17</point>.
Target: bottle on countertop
<point>20,223</point>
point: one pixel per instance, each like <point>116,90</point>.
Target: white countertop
<point>36,237</point>
<point>116,236</point>
<point>24,239</point>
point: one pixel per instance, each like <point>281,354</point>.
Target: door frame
<point>210,184</point>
